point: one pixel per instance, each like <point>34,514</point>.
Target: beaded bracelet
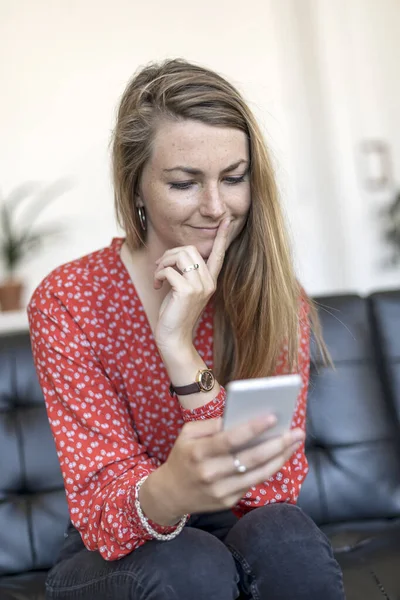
<point>162,537</point>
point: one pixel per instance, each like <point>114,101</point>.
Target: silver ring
<point>238,465</point>
<point>191,268</point>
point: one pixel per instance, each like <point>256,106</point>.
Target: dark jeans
<point>273,552</point>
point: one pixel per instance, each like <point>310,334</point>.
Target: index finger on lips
<point>226,442</point>
<point>216,258</point>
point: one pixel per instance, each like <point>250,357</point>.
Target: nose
<point>212,203</point>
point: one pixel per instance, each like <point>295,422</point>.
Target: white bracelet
<point>162,537</point>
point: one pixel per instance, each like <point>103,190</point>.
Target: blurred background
<point>321,76</point>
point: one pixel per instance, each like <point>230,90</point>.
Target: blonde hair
<point>257,301</point>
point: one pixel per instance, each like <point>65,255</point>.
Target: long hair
<point>257,301</point>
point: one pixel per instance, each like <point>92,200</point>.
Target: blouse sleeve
<point>285,485</point>
<point>100,456</point>
<point>211,410</point>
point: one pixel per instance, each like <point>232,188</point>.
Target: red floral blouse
<point>108,403</point>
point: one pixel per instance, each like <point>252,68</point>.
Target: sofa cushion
<point>371,570</point>
<point>385,313</point>
<point>352,439</point>
<point>33,508</point>
<point>23,587</point>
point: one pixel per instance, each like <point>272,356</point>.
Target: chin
<point>204,249</point>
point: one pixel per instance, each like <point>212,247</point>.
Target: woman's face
<point>196,177</point>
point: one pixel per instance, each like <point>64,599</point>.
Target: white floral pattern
<point>107,398</point>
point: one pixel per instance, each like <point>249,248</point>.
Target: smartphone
<point>248,399</point>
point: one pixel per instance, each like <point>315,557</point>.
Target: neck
<point>141,264</point>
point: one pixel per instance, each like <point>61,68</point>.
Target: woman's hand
<point>200,475</point>
<point>189,292</point>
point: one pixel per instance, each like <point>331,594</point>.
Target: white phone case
<point>248,399</point>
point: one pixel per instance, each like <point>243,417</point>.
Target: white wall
<point>340,87</point>
<point>63,66</point>
<point>358,49</point>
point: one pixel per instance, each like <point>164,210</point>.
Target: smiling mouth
<point>207,228</point>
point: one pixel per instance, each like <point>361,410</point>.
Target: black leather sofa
<point>353,446</point>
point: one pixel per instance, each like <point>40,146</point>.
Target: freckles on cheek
<point>168,219</point>
<point>159,203</point>
<point>171,211</point>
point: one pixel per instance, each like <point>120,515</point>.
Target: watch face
<point>207,381</point>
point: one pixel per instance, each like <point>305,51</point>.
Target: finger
<point>270,468</point>
<point>240,483</point>
<point>175,279</point>
<point>267,451</point>
<point>182,260</point>
<point>195,281</point>
<point>191,250</point>
<point>216,258</point>
<point>226,442</point>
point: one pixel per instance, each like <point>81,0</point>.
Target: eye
<point>180,185</point>
<point>234,180</point>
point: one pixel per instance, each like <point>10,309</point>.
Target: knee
<point>278,528</point>
<point>194,565</point>
<point>278,546</point>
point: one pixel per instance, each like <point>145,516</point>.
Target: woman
<point>134,343</point>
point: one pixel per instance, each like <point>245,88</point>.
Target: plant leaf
<point>5,221</point>
<point>34,241</point>
<point>42,200</point>
<point>12,254</point>
<point>21,193</point>
<point>18,236</point>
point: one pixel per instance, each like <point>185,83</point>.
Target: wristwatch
<point>205,382</point>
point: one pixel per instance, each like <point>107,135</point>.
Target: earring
<point>142,217</point>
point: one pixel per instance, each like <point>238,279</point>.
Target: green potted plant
<point>21,237</point>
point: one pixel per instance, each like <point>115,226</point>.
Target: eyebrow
<point>193,171</point>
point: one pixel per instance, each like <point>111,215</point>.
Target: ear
<point>137,202</point>
<point>138,198</point>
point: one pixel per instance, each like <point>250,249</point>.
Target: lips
<point>206,228</point>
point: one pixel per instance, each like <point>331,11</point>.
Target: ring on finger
<point>240,468</point>
<point>191,268</point>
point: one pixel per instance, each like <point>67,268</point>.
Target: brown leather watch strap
<point>185,390</point>
<point>205,381</point>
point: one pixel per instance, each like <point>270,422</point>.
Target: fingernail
<point>297,436</point>
<point>296,446</point>
<point>270,420</point>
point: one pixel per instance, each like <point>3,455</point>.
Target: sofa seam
<point>379,583</point>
